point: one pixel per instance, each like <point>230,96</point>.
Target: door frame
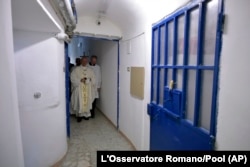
<point>67,87</point>
<point>67,80</point>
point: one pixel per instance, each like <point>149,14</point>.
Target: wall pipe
<point>66,11</point>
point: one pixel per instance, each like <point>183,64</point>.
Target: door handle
<point>171,85</point>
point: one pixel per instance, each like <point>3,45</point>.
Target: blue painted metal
<point>185,67</point>
<point>185,62</point>
<point>158,70</point>
<point>164,125</point>
<point>216,70</point>
<point>166,53</point>
<point>172,101</point>
<point>180,11</point>
<point>152,70</point>
<point>199,62</point>
<point>67,80</point>
<point>175,49</point>
<point>118,85</point>
<point>95,38</point>
<point>169,130</point>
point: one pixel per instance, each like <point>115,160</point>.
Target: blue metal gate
<point>185,65</point>
<point>67,85</point>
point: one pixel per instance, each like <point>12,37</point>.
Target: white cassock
<point>97,70</point>
<point>83,94</point>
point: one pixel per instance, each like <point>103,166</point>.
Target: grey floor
<point>89,136</point>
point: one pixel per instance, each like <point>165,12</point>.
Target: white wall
<point>149,12</point>
<point>133,112</point>
<point>87,24</point>
<point>11,152</point>
<point>234,108</point>
<point>107,53</point>
<point>39,68</point>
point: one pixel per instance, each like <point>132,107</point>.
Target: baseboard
<point>116,129</point>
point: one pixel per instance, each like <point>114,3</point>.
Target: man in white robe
<point>84,84</point>
<point>97,70</point>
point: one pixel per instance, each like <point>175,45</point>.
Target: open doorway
<point>107,52</point>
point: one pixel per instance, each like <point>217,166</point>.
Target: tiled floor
<point>89,136</point>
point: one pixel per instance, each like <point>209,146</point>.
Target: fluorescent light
<point>50,16</point>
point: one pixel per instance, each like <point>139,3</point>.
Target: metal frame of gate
<point>67,88</point>
<point>185,11</point>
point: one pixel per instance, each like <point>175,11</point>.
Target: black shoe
<point>79,119</point>
<point>86,118</point>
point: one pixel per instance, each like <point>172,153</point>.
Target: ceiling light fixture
<point>50,16</point>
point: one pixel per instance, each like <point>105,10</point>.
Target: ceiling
<point>121,12</point>
<point>124,13</point>
<point>28,15</point>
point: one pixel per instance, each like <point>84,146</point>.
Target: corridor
<point>87,137</point>
<point>174,77</point>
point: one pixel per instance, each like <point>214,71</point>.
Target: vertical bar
<point>152,70</point>
<point>158,63</point>
<point>118,85</point>
<point>185,62</point>
<point>166,54</point>
<point>175,48</point>
<point>216,67</point>
<point>199,62</point>
<point>67,80</point>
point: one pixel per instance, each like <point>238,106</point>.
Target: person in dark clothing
<point>70,64</point>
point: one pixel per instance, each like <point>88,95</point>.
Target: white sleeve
<point>75,80</point>
<point>99,78</point>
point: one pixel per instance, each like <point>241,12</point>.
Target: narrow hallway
<point>173,72</point>
<point>87,137</point>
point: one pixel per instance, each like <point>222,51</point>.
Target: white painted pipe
<point>70,12</point>
<point>66,10</point>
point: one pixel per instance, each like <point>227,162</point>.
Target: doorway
<point>107,52</point>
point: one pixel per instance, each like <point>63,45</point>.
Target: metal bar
<point>67,80</point>
<point>158,62</point>
<point>216,63</point>
<point>186,67</point>
<point>185,62</point>
<point>152,64</point>
<point>199,62</point>
<point>175,48</point>
<point>191,5</point>
<point>166,54</point>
